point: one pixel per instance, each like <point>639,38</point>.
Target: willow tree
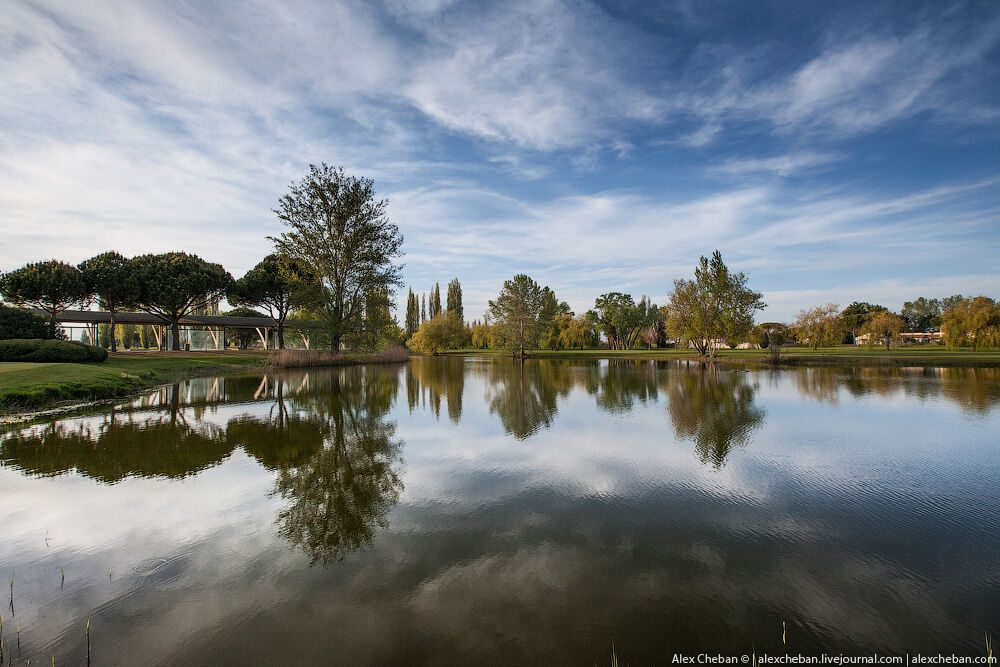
<point>716,306</point>
<point>821,325</point>
<point>341,232</point>
<point>883,328</point>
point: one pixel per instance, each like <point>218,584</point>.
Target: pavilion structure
<point>196,332</point>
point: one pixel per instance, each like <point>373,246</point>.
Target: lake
<point>487,511</point>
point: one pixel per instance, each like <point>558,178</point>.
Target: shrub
<point>63,351</point>
<point>20,323</point>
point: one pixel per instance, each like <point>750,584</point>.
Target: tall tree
<point>51,286</point>
<point>455,300</point>
<point>111,278</point>
<point>341,232</point>
<point>921,314</point>
<point>412,313</point>
<point>434,307</point>
<point>276,283</point>
<point>517,313</point>
<point>856,315</point>
<point>620,319</point>
<point>176,284</point>
<point>423,308</point>
<point>716,306</point>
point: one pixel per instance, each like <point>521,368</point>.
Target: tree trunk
<point>175,332</point>
<point>335,343</point>
<point>112,343</point>
<point>281,334</point>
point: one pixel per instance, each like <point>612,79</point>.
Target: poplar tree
<point>434,307</point>
<point>412,313</point>
<point>455,300</point>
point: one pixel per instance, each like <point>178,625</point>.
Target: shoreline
<point>791,357</point>
<point>29,391</point>
<point>32,390</point>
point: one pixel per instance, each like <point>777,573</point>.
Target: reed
<point>88,640</point>
<point>307,358</point>
<point>989,648</point>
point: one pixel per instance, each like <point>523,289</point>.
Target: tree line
<point>962,322</point>
<point>336,262</point>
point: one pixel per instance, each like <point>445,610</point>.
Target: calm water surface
<point>472,511</point>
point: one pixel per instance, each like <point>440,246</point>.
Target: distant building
<point>912,338</point>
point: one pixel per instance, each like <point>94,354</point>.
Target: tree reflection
<point>524,393</point>
<point>430,380</point>
<point>715,408</point>
<point>342,494</point>
<point>619,383</point>
<point>119,445</point>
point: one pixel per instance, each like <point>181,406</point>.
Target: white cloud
<point>780,165</point>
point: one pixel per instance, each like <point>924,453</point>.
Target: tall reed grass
<point>307,358</point>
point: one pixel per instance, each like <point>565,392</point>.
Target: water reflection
<point>325,434</point>
<point>716,409</point>
<point>525,394</point>
<point>671,507</point>
<point>339,496</point>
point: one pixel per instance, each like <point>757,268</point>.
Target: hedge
<point>20,323</point>
<point>34,349</point>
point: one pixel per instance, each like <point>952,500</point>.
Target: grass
<point>33,385</point>
<point>844,355</point>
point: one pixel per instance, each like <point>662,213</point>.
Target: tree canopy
<point>716,306</point>
<point>342,233</point>
<point>820,325</point>
<point>112,278</point>
<point>276,283</point>
<point>52,286</point>
<point>517,313</point>
<point>883,327</point>
<point>454,302</point>
<point>442,332</point>
<point>175,284</point>
<point>972,322</point>
<point>621,320</point>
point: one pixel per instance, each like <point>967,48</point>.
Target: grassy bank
<point>843,355</point>
<point>34,385</point>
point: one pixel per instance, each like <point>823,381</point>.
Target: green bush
<point>65,351</point>
<point>20,323</point>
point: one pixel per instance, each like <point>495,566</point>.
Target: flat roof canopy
<point>104,317</point>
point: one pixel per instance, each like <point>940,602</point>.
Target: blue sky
<point>833,151</point>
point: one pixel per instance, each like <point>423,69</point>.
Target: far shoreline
<point>37,390</point>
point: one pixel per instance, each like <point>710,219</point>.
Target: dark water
<point>472,511</point>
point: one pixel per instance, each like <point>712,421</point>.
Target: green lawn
<point>918,355</point>
<point>28,385</point>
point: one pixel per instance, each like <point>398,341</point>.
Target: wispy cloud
<point>586,146</point>
<point>780,165</point>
